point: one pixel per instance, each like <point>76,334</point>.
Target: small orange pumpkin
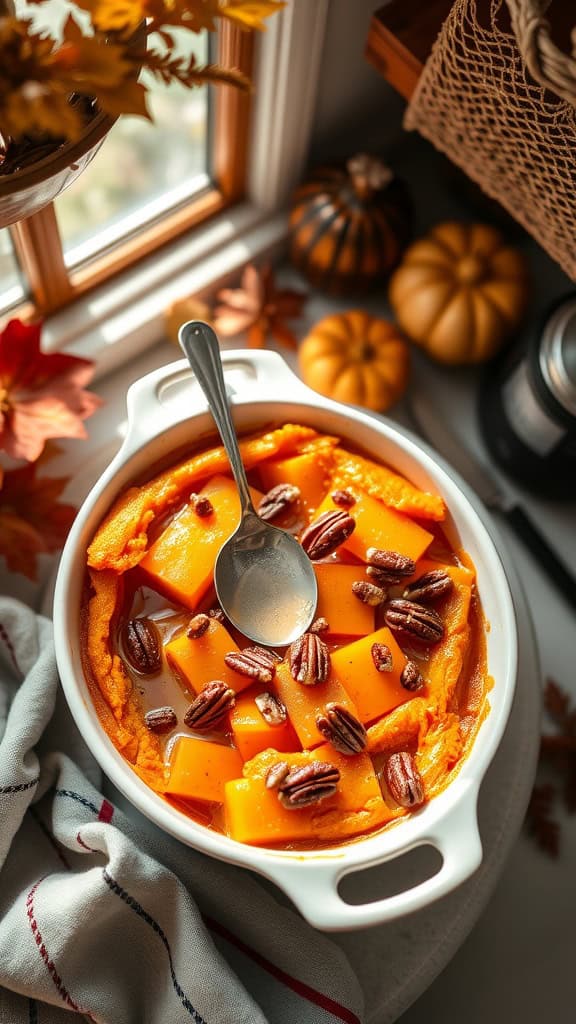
<point>356,358</point>
<point>460,292</point>
<point>348,225</point>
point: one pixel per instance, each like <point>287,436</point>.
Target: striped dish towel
<point>119,923</point>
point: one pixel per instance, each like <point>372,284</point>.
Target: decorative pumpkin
<point>349,225</point>
<point>356,358</point>
<point>460,292</point>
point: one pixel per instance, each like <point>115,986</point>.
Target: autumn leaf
<point>32,520</point>
<point>556,702</point>
<point>258,307</point>
<point>41,396</point>
<point>30,101</point>
<point>540,822</point>
<point>189,73</point>
<point>249,13</point>
<point>114,15</point>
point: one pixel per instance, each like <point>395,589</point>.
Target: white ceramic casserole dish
<point>166,410</point>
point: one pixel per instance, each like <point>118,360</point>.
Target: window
<point>147,184</point>
<point>142,171</point>
<point>118,321</point>
<point>11,290</point>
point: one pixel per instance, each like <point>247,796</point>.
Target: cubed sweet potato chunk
<point>252,733</point>
<point>199,769</point>
<point>345,613</point>
<point>180,563</point>
<point>372,692</point>
<point>197,662</point>
<point>378,526</point>
<point>254,814</point>
<point>309,472</point>
<point>304,703</point>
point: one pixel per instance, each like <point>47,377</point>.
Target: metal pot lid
<point>558,355</point>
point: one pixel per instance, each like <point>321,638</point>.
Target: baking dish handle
<point>313,885</point>
<point>172,394</point>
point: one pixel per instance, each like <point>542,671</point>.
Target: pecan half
<point>411,677</point>
<point>208,709</point>
<point>308,784</point>
<point>388,566</point>
<point>254,662</point>
<point>201,505</point>
<point>344,499</point>
<point>141,644</point>
<point>197,626</point>
<point>160,719</point>
<point>342,729</point>
<point>320,625</point>
<point>429,587</point>
<point>309,660</point>
<point>277,500</point>
<point>414,620</point>
<point>272,710</point>
<point>276,774</point>
<point>404,780</point>
<point>368,593</point>
<point>382,657</point>
<point>327,533</point>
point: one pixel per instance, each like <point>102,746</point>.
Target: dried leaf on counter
<point>556,775</point>
<point>539,821</point>
<point>557,704</point>
<point>259,308</point>
<point>41,396</point>
<point>32,520</point>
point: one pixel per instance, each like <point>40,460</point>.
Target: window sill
<point>119,320</point>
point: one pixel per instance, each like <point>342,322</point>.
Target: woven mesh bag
<point>499,98</point>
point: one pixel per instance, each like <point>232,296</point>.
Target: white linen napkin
<point>121,924</point>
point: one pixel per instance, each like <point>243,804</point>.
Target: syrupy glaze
<point>135,598</point>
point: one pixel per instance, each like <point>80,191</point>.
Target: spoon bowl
<point>264,580</point>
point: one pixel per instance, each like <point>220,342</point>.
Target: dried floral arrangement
<point>50,87</point>
<point>42,396</point>
<point>556,778</point>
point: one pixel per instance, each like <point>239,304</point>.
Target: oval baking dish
<point>166,412</point>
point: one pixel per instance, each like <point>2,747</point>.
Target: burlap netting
<point>477,101</point>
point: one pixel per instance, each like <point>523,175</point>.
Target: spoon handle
<point>200,345</point>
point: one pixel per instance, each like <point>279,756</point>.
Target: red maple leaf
<point>32,520</point>
<point>41,395</point>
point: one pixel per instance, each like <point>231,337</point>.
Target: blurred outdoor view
<point>10,285</point>
<point>142,168</point>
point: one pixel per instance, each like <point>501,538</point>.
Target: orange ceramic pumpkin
<point>460,292</point>
<point>356,358</point>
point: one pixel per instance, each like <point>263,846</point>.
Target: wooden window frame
<point>37,239</point>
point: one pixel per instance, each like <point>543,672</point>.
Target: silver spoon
<point>264,580</point>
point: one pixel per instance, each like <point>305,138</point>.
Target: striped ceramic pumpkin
<point>348,226</point>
